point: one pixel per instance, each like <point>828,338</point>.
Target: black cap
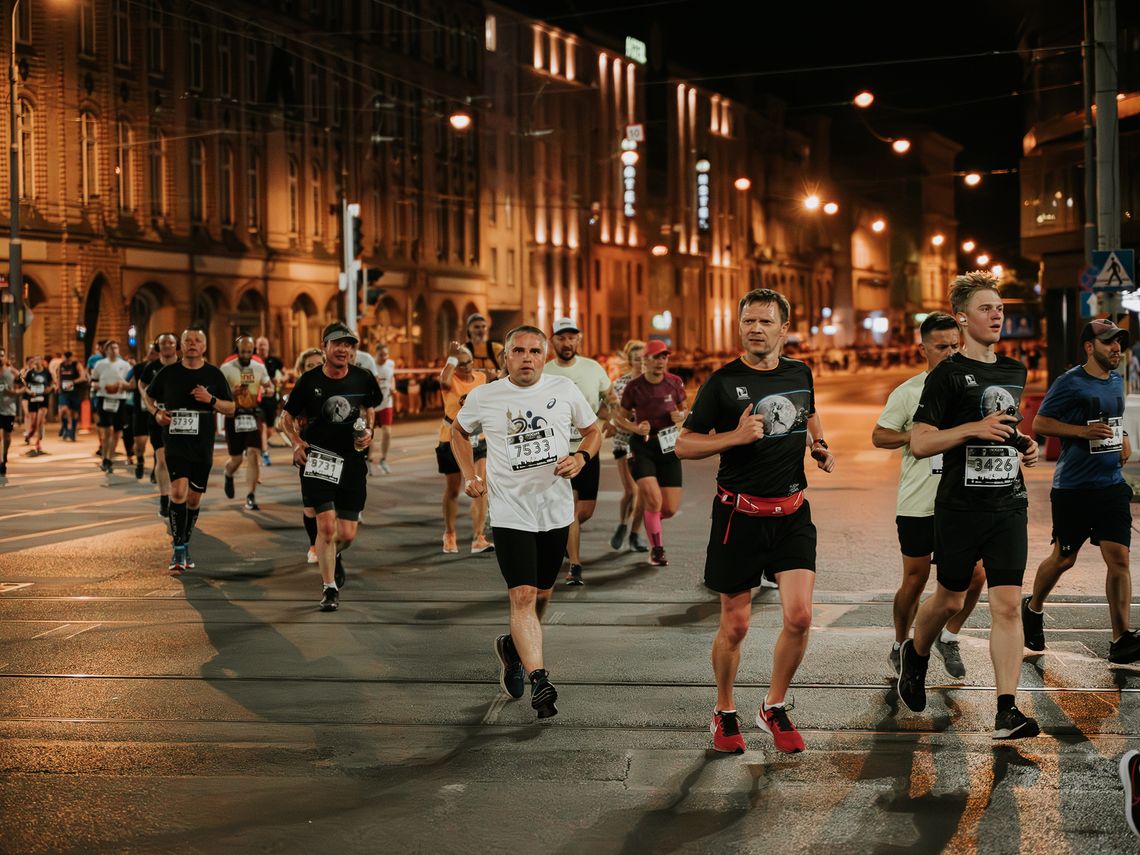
<point>338,331</point>
<point>1104,330</point>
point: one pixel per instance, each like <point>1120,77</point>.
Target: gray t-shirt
<point>8,403</point>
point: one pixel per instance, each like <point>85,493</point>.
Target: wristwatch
<point>819,442</point>
<point>213,401</point>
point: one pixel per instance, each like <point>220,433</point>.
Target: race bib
<point>323,465</point>
<point>991,465</point>
<point>183,423</point>
<point>1114,443</point>
<point>575,434</point>
<point>111,405</point>
<point>245,423</point>
<point>66,385</point>
<point>935,464</point>
<point>531,449</point>
<point>667,438</point>
<point>36,388</point>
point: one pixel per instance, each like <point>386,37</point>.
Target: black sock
<point>178,522</point>
<point>1005,702</point>
<point>164,503</point>
<point>191,521</point>
<point>311,529</point>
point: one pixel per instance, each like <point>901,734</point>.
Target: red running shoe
<point>725,729</point>
<point>776,722</point>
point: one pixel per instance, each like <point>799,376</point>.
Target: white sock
<point>722,712</point>
<point>769,706</point>
<point>895,645</point>
<point>948,636</point>
<point>1033,609</point>
<point>330,585</point>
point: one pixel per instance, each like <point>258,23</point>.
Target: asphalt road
<point>222,712</point>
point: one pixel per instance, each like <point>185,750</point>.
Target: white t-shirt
<point>254,376</point>
<point>107,372</point>
<point>918,479</point>
<point>527,431</point>
<point>386,377</point>
<point>591,380</point>
<point>364,360</point>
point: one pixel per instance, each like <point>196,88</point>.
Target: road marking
<point>80,632</point>
<point>22,496</point>
<point>53,531</point>
<point>69,508</point>
<point>493,711</point>
<point>556,617</point>
<point>6,587</point>
<point>50,631</point>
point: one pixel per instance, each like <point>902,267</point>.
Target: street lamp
<point>660,250</point>
<point>901,145</point>
<point>831,209</point>
<point>460,119</point>
<point>742,183</point>
<point>938,240</point>
<point>812,202</point>
<point>997,270</point>
<point>968,246</point>
<point>983,260</point>
<point>864,100</point>
<point>973,179</point>
<point>629,158</point>
<point>879,226</point>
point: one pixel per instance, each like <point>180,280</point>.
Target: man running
<point>918,484</point>
<point>69,375</point>
<point>184,396</point>
<point>594,384</point>
<point>967,413</point>
<point>457,379</point>
<point>11,388</point>
<point>527,419</point>
<point>38,384</point>
<point>247,378</point>
<point>1090,498</point>
<point>167,344</point>
<point>386,377</point>
<point>758,412</point>
<point>652,412</point>
<point>274,368</point>
<point>139,412</point>
<point>109,377</point>
<point>488,354</point>
<point>309,359</point>
<point>629,511</point>
<point>335,405</point>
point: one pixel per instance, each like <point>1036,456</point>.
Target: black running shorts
<point>743,548</point>
<point>237,443</point>
<point>154,432</point>
<point>268,407</point>
<point>115,420</point>
<point>1098,515</point>
<point>445,458</point>
<point>346,498</point>
<point>7,423</point>
<point>36,406</point>
<point>585,483</point>
<point>530,557</point>
<point>197,470</point>
<point>999,539</point>
<point>140,421</point>
<point>916,536</point>
<point>647,461</point>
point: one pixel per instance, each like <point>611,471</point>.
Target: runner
<point>184,397</point>
<point>11,388</point>
<point>167,344</point>
<point>386,377</point>
<point>69,374</point>
<point>527,419</point>
<point>93,393</point>
<point>594,384</point>
<point>38,384</point>
<point>312,358</point>
<point>655,400</point>
<point>274,368</point>
<point>247,378</point>
<point>629,519</point>
<point>762,410</point>
<point>967,413</point>
<point>141,415</point>
<point>488,354</point>
<point>1090,498</point>
<point>457,379</point>
<point>109,378</point>
<point>918,483</point>
<point>336,405</point>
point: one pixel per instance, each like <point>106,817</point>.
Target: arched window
<point>124,165</point>
<point>26,143</point>
<point>316,199</point>
<point>89,156</point>
<point>159,206</point>
<point>253,192</point>
<point>197,181</point>
<point>294,199</point>
<point>229,190</point>
<point>155,41</point>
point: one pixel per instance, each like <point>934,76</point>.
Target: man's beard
<point>1106,362</point>
<point>245,362</point>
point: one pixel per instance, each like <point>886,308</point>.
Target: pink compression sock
<point>653,526</point>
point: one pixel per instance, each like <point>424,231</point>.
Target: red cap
<point>655,347</point>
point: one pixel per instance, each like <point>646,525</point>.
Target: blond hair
<point>305,354</point>
<point>630,346</point>
<point>963,287</point>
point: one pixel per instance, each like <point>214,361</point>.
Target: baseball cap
<point>338,331</point>
<point>562,325</point>
<point>656,347</point>
<point>1104,330</point>
<point>472,318</point>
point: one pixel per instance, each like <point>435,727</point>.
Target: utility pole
<point>349,220</point>
<point>1107,132</point>
<point>15,249</point>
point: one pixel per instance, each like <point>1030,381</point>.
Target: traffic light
<point>357,237</point>
<point>373,293</point>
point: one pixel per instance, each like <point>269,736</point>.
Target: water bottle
<point>360,430</point>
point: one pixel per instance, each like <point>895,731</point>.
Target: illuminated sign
<point>635,50</point>
<point>629,158</point>
<point>703,218</point>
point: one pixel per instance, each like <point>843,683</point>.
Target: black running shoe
<point>657,557</point>
<point>140,470</point>
<point>1032,626</point>
<point>330,600</point>
<point>912,678</point>
<point>542,695</point>
<point>1125,650</point>
<point>894,659</point>
<point>3,470</point>
<point>338,573</point>
<point>190,565</point>
<point>1013,724</point>
<point>637,544</point>
<point>574,575</point>
<point>251,503</point>
<point>1130,777</point>
<point>228,485</point>
<point>512,676</point>
<point>619,536</point>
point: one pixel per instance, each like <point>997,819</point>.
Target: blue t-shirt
<point>1078,398</point>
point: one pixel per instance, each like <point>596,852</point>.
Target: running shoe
<point>725,730</point>
<point>542,694</point>
<point>951,658</point>
<point>912,677</point>
<point>619,536</point>
<point>450,544</point>
<point>574,575</point>
<point>228,485</point>
<point>775,721</point>
<point>311,556</point>
<point>481,544</point>
<point>140,470</point>
<point>265,458</point>
<point>385,468</point>
<point>330,600</point>
<point>110,468</point>
<point>190,565</point>
<point>512,676</point>
<point>338,573</point>
<point>1125,649</point>
<point>657,557</point>
<point>178,561</point>
<point>1130,777</point>
<point>766,582</point>
<point>3,469</point>
<point>894,659</point>
<point>1013,724</point>
<point>251,503</point>
<point>636,543</point>
<point>1033,626</point>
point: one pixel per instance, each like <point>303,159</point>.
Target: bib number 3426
<point>991,465</point>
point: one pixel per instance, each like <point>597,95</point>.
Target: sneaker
<point>894,659</point>
<point>190,565</point>
<point>450,544</point>
<point>311,556</point>
<point>385,468</point>
<point>140,470</point>
<point>265,458</point>
<point>911,683</point>
<point>657,557</point>
<point>951,658</point>
<point>775,721</point>
<point>765,582</point>
<point>619,536</point>
<point>542,695</point>
<point>330,600</point>
<point>338,573</point>
<point>228,485</point>
<point>725,730</point>
<point>110,470</point>
<point>1032,626</point>
<point>481,544</point>
<point>251,503</point>
<point>1013,724</point>
<point>177,561</point>
<point>1125,650</point>
<point>574,575</point>
<point>512,677</point>
<point>1130,776</point>
<point>636,543</point>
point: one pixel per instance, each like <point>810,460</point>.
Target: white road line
<point>555,617</point>
<point>493,711</point>
<point>69,508</point>
<point>80,632</point>
<point>50,631</point>
<point>53,531</point>
<point>8,587</point>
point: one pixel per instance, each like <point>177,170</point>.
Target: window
<point>252,88</point>
<point>89,156</point>
<point>253,192</point>
<point>87,27</point>
<point>26,144</point>
<point>507,211</point>
<point>197,181</point>
<point>157,169</point>
<point>24,23</point>
<point>155,43</point>
<point>225,68</point>
<point>124,165</point>
<point>494,266</point>
<point>492,205</point>
<point>510,267</point>
<point>294,199</point>
<point>229,189</point>
<point>315,95</point>
<point>195,57</point>
<point>492,33</point>
<point>121,28</point>
<point>315,196</point>
<point>442,225</point>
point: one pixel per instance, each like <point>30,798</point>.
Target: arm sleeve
<point>468,416</point>
<point>295,405</point>
<point>702,417</point>
<point>937,389</point>
<point>895,415</point>
<point>1058,403</point>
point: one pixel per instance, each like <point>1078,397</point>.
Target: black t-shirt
<point>978,475</point>
<point>144,374</point>
<point>36,378</point>
<point>273,365</point>
<point>173,389</point>
<point>330,407</point>
<point>785,395</point>
<point>68,376</point>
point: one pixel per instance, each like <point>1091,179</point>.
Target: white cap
<point>562,325</point>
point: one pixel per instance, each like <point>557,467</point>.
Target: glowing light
<point>629,158</point>
<point>973,179</point>
<point>812,202</point>
<point>997,270</point>
<point>703,165</point>
<point>938,240</point>
<point>901,145</point>
<point>969,246</point>
<point>742,183</point>
<point>660,250</point>
<point>983,260</point>
<point>831,209</point>
<point>879,226</point>
<point>864,100</point>
<point>460,120</point>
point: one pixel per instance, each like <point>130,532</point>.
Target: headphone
<point>961,319</point>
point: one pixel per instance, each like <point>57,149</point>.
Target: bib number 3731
<point>991,465</point>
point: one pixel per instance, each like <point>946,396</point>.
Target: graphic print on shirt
<point>530,439</point>
<point>337,410</point>
<point>784,414</point>
<point>997,399</point>
<point>994,465</point>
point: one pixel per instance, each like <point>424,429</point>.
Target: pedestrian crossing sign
<point>1115,271</point>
